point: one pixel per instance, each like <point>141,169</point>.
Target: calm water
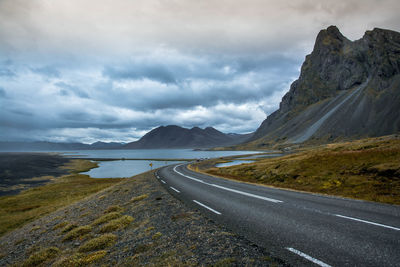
<point>154,153</point>
<point>233,163</point>
<point>125,168</point>
<point>128,168</point>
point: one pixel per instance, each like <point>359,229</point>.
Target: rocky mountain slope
<point>173,136</point>
<point>346,90</point>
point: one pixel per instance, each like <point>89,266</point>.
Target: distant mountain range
<point>51,146</point>
<point>346,90</point>
<point>162,137</point>
<point>173,136</point>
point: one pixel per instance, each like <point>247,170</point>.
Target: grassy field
<point>366,169</point>
<point>33,203</point>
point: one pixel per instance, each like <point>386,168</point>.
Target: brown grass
<point>41,256</point>
<point>366,169</point>
<point>114,208</point>
<point>116,224</point>
<point>81,259</point>
<point>139,198</point>
<point>106,218</point>
<point>77,232</point>
<point>33,203</point>
<point>97,243</point>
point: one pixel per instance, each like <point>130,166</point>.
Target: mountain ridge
<point>356,83</point>
<point>173,136</point>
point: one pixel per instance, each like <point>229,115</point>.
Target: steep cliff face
<point>345,89</point>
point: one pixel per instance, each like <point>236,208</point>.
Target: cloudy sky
<point>111,70</point>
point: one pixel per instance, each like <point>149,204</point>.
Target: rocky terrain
<point>133,223</point>
<point>177,137</point>
<point>346,90</point>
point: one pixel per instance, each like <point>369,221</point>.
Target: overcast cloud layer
<point>111,70</point>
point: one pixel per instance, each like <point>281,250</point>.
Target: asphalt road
<point>304,229</point>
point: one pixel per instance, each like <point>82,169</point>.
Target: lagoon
<point>129,168</point>
<point>125,168</point>
<point>153,153</point>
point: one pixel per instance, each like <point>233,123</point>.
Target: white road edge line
<point>301,254</point>
<point>163,181</point>
<point>176,190</point>
<point>373,223</point>
<point>246,194</point>
<point>228,189</point>
<point>207,207</point>
<point>189,177</point>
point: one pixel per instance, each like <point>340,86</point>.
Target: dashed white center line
<point>227,188</point>
<point>207,207</point>
<point>163,181</point>
<point>176,190</point>
<point>373,223</point>
<point>308,257</point>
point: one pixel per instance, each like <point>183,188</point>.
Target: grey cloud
<point>68,89</point>
<point>6,68</point>
<point>204,82</point>
<point>120,73</point>
<point>48,71</point>
<point>135,71</point>
<point>7,73</point>
<point>2,93</point>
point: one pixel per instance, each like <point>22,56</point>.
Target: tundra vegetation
<point>133,223</point>
<point>33,203</point>
<point>367,169</point>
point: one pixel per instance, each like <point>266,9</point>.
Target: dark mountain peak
<point>328,40</point>
<point>196,129</point>
<point>211,130</point>
<point>173,136</point>
<point>336,67</point>
<point>330,33</point>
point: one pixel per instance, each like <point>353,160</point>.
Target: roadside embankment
<point>367,169</point>
<point>133,223</point>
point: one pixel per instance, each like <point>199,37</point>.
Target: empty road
<point>304,229</point>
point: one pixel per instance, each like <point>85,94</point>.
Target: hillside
<point>367,169</point>
<point>136,222</point>
<point>177,137</point>
<point>346,90</point>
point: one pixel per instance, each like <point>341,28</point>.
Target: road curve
<point>304,229</point>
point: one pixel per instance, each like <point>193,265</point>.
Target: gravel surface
<point>163,232</point>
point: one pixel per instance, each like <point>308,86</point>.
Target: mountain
<point>173,136</point>
<point>50,146</point>
<point>104,145</point>
<point>346,90</point>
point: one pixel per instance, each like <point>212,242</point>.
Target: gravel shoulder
<point>135,222</point>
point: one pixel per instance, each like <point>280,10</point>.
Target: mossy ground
<point>367,169</point>
<point>33,203</point>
